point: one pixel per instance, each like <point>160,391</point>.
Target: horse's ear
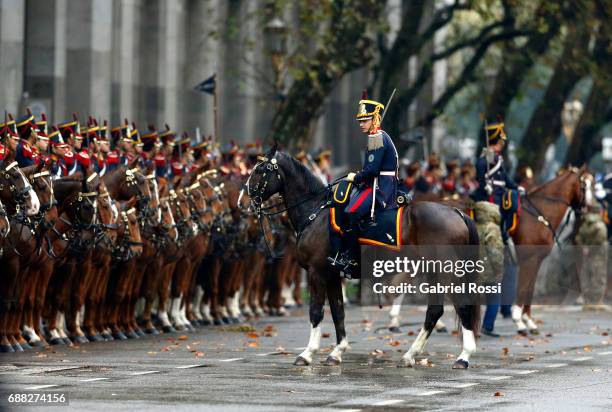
<point>272,150</point>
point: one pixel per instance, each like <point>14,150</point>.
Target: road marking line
<point>527,372</point>
<point>187,366</point>
<point>605,353</point>
<point>498,378</point>
<point>230,360</point>
<point>463,385</point>
<point>266,354</point>
<point>582,359</point>
<point>388,402</point>
<point>33,388</point>
<point>556,365</point>
<point>429,393</point>
<point>300,348</point>
<point>93,379</point>
<point>143,373</point>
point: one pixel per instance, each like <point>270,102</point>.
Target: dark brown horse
<point>423,223</point>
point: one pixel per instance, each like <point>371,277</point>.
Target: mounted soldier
<point>25,154</point>
<point>494,183</point>
<point>376,185</point>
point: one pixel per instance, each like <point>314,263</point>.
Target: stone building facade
<point>140,59</point>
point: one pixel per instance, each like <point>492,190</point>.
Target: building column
<point>45,61</point>
<point>12,21</point>
<point>150,91</point>
<point>101,52</point>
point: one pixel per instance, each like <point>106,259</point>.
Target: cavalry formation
<point>161,235</point>
<point>118,252</point>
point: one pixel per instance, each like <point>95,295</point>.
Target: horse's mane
<point>545,185</point>
<point>312,182</point>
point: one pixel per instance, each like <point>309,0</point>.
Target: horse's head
<point>198,205</point>
<point>16,191</point>
<point>129,241</point>
<point>581,187</point>
<point>107,212</point>
<point>43,186</point>
<point>168,223</point>
<point>265,179</point>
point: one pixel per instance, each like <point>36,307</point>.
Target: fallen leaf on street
<point>498,394</point>
<point>253,344</point>
<point>505,351</point>
<point>183,337</point>
<point>199,354</point>
<point>326,335</point>
<point>253,335</point>
<point>395,343</point>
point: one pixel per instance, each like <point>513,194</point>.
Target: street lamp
<point>275,37</point>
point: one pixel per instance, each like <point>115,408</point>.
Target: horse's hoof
<point>119,336</point>
<point>168,329</point>
<point>107,336</point>
<point>406,363</point>
<point>95,338</point>
<point>442,330</point>
<point>67,341</point>
<point>6,349</point>
<point>206,322</point>
<point>195,323</point>
<point>332,361</point>
<point>80,339</point>
<point>38,344</point>
<point>217,322</point>
<point>395,329</point>
<point>132,335</point>
<point>225,320</point>
<point>236,320</point>
<point>534,332</point>
<point>139,332</point>
<point>151,331</point>
<point>522,332</point>
<point>301,361</point>
<point>461,364</point>
<point>17,347</point>
<point>57,341</point>
<point>25,345</point>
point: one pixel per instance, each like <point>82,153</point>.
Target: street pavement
<point>237,368</point>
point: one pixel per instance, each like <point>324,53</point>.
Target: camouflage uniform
<point>593,243</point>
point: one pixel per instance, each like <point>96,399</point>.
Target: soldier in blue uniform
<point>493,181</point>
<point>376,183</point>
<point>24,154</point>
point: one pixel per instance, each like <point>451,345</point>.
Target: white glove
<point>488,188</point>
<point>350,177</point>
<point>521,190</point>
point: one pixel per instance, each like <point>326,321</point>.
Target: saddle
<point>384,230</point>
<point>510,210</point>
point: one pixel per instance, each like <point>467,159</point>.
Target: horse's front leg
<point>317,300</point>
<point>336,304</point>
<point>434,312</point>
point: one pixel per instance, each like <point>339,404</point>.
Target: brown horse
<point>543,212</point>
<point>423,223</point>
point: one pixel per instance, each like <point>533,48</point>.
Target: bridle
<point>532,209</point>
<point>123,250</point>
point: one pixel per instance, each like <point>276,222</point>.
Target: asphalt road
<point>567,367</point>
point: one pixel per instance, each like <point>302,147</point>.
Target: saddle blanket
<point>386,232</point>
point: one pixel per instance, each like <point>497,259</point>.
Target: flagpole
<point>216,118</point>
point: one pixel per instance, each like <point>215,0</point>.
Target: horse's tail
<point>473,255</point>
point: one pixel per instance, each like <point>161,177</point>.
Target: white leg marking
<point>31,334</point>
<point>416,348</point>
<point>314,343</point>
<point>531,325</point>
<point>163,318</point>
<point>206,312</point>
<point>517,312</point>
<point>339,350</point>
<point>469,345</point>
<point>197,302</point>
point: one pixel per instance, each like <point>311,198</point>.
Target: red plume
<point>44,117</point>
<point>167,127</point>
<point>364,94</point>
<point>500,118</point>
<point>126,121</point>
<point>29,111</point>
<point>74,116</point>
<point>151,127</point>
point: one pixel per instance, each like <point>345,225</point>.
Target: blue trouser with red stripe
<point>360,203</point>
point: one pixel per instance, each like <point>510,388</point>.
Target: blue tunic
<point>496,176</point>
<point>381,161</point>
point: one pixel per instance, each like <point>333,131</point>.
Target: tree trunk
<point>545,123</point>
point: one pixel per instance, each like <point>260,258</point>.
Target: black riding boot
<point>345,256</point>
